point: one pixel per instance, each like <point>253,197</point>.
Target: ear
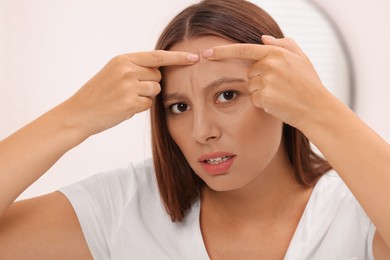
<point>285,43</point>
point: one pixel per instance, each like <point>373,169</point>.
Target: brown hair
<point>238,21</point>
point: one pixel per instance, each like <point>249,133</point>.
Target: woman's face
<point>227,141</point>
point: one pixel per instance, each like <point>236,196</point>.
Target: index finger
<point>237,51</point>
<point>160,58</point>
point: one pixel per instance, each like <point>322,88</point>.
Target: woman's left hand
<point>282,80</point>
<point>284,83</point>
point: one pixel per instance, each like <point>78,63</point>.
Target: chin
<point>222,186</point>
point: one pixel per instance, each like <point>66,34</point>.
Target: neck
<point>274,195</point>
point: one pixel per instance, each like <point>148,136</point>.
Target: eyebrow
<point>211,86</point>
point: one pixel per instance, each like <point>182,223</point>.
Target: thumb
<point>285,43</point>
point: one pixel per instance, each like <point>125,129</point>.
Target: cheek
<point>178,131</point>
<point>260,132</point>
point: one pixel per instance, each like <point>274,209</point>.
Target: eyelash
<point>234,92</point>
<point>171,107</point>
<point>174,106</point>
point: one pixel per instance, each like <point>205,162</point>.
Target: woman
<point>232,165</point>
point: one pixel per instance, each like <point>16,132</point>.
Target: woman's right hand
<point>124,87</point>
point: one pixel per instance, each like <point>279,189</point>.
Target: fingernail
<point>193,57</point>
<point>267,37</point>
<point>208,53</point>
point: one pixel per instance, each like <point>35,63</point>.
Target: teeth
<point>218,160</point>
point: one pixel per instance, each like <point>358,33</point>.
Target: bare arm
<point>31,151</point>
<point>362,159</point>
<point>42,228</point>
<point>124,87</point>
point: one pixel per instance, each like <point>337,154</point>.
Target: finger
<point>148,89</point>
<point>256,90</point>
<point>256,70</point>
<point>145,74</point>
<point>255,84</point>
<point>237,51</point>
<point>159,58</point>
<point>143,103</point>
<point>267,66</point>
<point>285,43</point>
<point>256,99</point>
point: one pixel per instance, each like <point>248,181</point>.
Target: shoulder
<point>123,217</point>
<point>103,201</point>
<point>331,193</point>
<point>113,191</point>
<point>333,202</point>
<point>123,182</point>
<point>140,172</point>
<point>331,186</point>
<point>333,224</point>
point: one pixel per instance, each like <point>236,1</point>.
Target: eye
<point>179,108</point>
<point>226,96</point>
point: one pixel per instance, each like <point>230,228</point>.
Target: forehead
<point>199,44</point>
<point>205,71</point>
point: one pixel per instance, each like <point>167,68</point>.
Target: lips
<point>218,160</point>
<point>217,163</point>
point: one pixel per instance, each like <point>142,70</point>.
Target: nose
<point>205,127</point>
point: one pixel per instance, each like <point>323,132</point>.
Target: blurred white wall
<point>48,49</point>
<point>365,26</point>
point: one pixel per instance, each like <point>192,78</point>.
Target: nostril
<point>211,138</point>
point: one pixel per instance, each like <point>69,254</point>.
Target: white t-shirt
<point>122,217</point>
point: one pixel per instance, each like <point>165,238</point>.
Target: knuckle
<point>129,73</point>
<point>256,82</point>
<point>256,98</point>
<point>154,88</point>
<point>143,104</point>
<point>157,89</point>
<point>119,59</point>
<point>271,64</point>
<point>289,41</point>
<point>280,56</point>
<point>279,52</point>
<point>267,65</point>
<point>158,75</point>
<point>122,67</point>
<point>242,50</point>
<point>147,103</point>
<point>252,88</point>
<point>157,56</point>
